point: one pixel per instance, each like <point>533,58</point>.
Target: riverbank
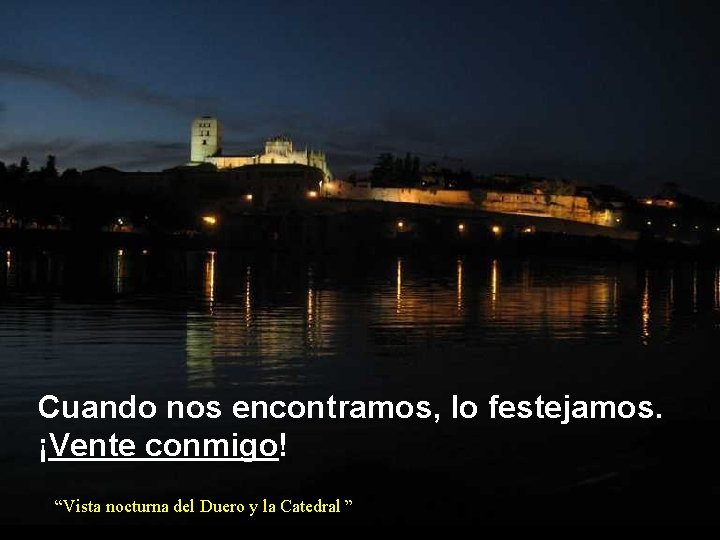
<point>345,233</point>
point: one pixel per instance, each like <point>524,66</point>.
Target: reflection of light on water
<point>564,306</point>
<point>210,279</point>
<point>600,296</point>
<point>312,320</point>
<point>199,335</point>
<point>9,269</point>
<point>288,332</point>
<point>494,283</point>
<point>119,270</point>
<point>525,275</point>
<point>615,295</point>
<point>694,288</point>
<point>310,299</point>
<point>670,297</point>
<point>248,299</point>
<point>645,307</point>
<point>459,284</point>
<point>398,294</point>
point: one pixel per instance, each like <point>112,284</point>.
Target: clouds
<point>352,141</point>
<point>124,155</point>
<point>534,142</point>
<point>94,85</point>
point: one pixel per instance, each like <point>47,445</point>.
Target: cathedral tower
<point>206,138</point>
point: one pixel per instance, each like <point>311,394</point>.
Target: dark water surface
<point>232,326</point>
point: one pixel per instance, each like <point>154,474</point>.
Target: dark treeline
<point>44,198</point>
<point>392,171</point>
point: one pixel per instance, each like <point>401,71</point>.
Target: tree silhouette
<point>24,166</point>
<point>396,171</point>
<point>49,170</point>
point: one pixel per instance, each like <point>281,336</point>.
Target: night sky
<point>612,92</point>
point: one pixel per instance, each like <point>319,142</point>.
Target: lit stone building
<point>206,147</point>
<point>206,139</point>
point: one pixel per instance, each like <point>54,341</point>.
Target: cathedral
<point>206,147</point>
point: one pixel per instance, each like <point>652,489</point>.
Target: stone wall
<point>569,207</point>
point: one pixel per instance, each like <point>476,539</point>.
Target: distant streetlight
<point>312,194</point>
<point>209,220</point>
<point>400,225</point>
<point>248,197</point>
<point>496,230</point>
<point>461,227</point>
<point>649,223</point>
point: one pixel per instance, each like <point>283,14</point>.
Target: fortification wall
<point>569,207</point>
<point>439,197</point>
<point>572,207</point>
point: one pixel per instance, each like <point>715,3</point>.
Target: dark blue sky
<point>616,92</point>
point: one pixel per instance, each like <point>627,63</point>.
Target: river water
<point>228,326</point>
